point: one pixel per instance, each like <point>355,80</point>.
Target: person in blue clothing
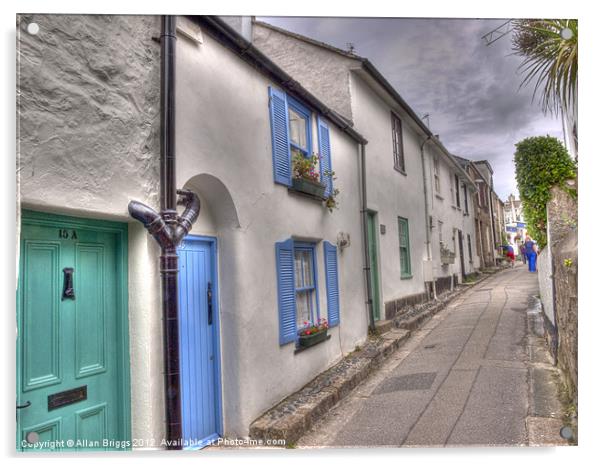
<point>531,253</point>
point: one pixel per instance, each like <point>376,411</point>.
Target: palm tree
<point>549,48</point>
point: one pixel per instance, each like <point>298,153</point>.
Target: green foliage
<point>550,60</point>
<point>540,163</point>
<point>306,167</point>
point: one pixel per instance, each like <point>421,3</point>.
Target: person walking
<point>523,253</point>
<point>510,254</point>
<point>531,253</point>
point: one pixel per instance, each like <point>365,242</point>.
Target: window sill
<point>438,196</point>
<point>399,170</point>
<point>406,277</point>
<point>300,349</point>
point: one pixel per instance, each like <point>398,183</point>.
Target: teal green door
<point>374,276</point>
<point>72,350</point>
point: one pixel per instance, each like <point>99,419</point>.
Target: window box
<point>310,340</point>
<point>447,256</point>
<point>313,188</point>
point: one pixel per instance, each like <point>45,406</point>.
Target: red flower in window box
<point>312,334</point>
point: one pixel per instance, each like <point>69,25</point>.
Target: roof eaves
<point>248,52</point>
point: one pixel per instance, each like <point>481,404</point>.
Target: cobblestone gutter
<point>296,414</point>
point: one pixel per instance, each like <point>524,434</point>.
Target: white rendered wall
<point>224,152</point>
<point>390,193</point>
<point>88,143</point>
<point>444,209</point>
<point>546,284</point>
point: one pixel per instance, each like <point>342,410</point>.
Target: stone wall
<point>88,113</point>
<point>562,233</point>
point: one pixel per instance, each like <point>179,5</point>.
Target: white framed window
<point>305,284</point>
<point>398,158</point>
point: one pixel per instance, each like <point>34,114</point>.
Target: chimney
<point>241,24</point>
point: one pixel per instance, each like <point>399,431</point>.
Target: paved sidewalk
<point>473,375</point>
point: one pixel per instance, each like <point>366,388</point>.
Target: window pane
<point>303,307</point>
<point>304,273</point>
<point>308,272</point>
<point>404,261</point>
<point>298,270</point>
<point>298,128</point>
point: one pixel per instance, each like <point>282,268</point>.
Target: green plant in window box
<point>331,201</point>
<point>312,334</point>
<point>306,176</point>
<point>447,256</point>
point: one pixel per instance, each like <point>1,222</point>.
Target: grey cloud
<point>442,67</point>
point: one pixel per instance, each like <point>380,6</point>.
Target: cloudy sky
<point>443,68</point>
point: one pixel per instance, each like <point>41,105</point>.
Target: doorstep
<point>382,326</point>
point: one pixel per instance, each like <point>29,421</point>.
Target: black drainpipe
<point>367,268</point>
<point>168,229</point>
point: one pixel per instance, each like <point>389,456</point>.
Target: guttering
<point>252,55</point>
<point>364,212</point>
<point>168,229</point>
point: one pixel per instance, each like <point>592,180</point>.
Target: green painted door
<point>374,275</point>
<point>72,350</point>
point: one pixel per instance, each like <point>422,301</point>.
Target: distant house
<point>484,218</point>
<point>514,220</point>
<point>403,208</point>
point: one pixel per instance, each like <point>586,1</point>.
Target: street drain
<point>429,346</point>
<point>418,381</point>
<point>518,309</point>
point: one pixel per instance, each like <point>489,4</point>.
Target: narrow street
<point>463,379</point>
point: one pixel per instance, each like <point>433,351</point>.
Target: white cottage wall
<point>444,209</point>
<point>390,193</point>
<point>223,130</point>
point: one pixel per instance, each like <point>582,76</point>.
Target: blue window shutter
<point>285,272</point>
<point>325,159</point>
<point>280,141</point>
<point>332,283</point>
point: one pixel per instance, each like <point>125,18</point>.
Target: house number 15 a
<point>67,234</point>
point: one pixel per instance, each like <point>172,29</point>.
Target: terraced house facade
<point>267,254</point>
<point>417,194</point>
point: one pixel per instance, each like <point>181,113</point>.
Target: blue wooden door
<point>199,342</point>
